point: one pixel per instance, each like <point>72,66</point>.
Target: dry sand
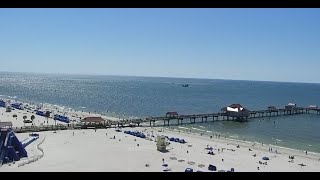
<point>88,150</point>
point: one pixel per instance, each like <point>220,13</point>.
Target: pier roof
<point>236,106</point>
<point>172,113</point>
<point>272,108</point>
<point>92,119</point>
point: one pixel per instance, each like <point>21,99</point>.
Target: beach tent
<point>17,106</point>
<point>171,139</point>
<point>2,103</point>
<point>176,140</point>
<point>142,135</point>
<point>189,170</point>
<point>40,113</point>
<point>61,118</point>
<point>182,141</point>
<point>265,158</point>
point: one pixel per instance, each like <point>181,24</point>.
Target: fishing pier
<point>234,112</point>
<point>226,114</point>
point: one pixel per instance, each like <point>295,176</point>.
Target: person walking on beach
<point>73,133</point>
<point>306,152</point>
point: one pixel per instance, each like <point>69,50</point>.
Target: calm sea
<point>146,96</point>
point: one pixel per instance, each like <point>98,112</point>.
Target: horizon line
<point>203,78</point>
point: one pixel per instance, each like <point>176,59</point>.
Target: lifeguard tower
<point>162,144</point>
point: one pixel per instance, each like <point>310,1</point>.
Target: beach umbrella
<point>143,136</point>
<point>265,158</point>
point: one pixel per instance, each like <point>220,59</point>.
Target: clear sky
<point>245,44</point>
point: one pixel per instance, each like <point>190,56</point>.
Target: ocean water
<point>125,97</point>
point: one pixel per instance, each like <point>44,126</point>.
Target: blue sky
<point>246,44</point>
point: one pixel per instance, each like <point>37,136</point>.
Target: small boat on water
<point>185,85</point>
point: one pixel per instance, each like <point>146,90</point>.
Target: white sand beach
<point>40,120</point>
<point>96,150</point>
<point>90,150</point>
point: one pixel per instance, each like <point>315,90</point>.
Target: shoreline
<point>196,131</point>
<point>264,147</point>
<point>71,112</point>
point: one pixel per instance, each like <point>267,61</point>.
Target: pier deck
<point>193,118</point>
<point>172,118</point>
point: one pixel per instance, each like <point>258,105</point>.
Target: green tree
<point>32,117</point>
<point>24,119</point>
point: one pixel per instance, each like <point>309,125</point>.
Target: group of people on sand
<point>291,157</point>
<point>265,163</point>
<point>270,150</point>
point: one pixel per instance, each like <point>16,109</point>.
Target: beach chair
<point>188,170</point>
